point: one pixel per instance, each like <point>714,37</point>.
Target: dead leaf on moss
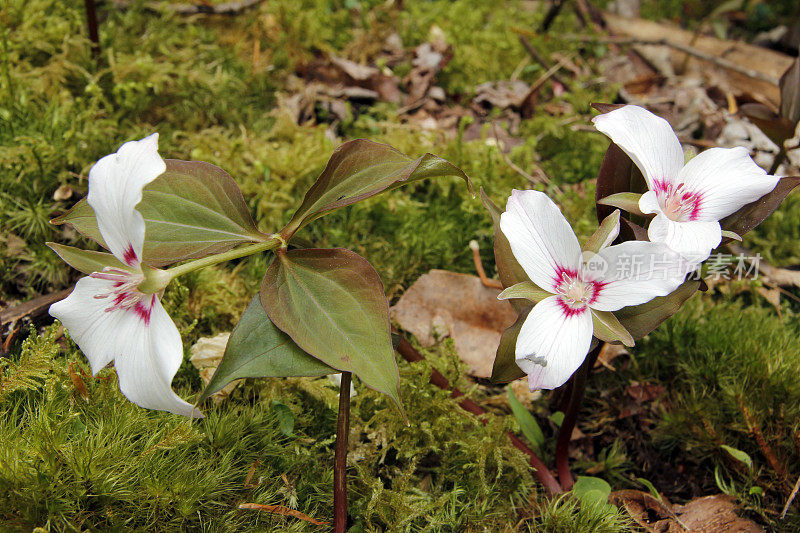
<point>709,514</point>
<point>281,510</point>
<point>441,304</point>
<point>207,353</point>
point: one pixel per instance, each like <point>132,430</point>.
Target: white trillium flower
<point>557,334</point>
<point>688,199</point>
<point>106,314</point>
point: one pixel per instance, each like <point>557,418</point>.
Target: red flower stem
<point>91,20</point>
<point>340,457</point>
<point>578,388</point>
<point>541,471</point>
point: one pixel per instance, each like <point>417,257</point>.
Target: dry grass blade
<point>281,510</point>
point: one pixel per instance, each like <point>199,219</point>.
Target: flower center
<point>576,293</point>
<point>124,293</point>
<point>677,203</point>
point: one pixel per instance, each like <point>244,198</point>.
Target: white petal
<point>541,238</point>
<point>648,140</point>
<point>648,203</point>
<point>149,360</point>
<point>726,179</point>
<point>693,239</point>
<point>560,338</point>
<point>635,273</point>
<point>115,187</point>
<point>90,326</point>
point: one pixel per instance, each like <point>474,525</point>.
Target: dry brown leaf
<point>502,94</point>
<point>442,303</point>
<point>207,353</point>
<point>709,514</point>
<point>281,510</point>
<point>77,382</point>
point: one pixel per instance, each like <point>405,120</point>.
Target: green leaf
<point>508,269</point>
<point>753,214</point>
<point>591,490</point>
<point>739,455</point>
<point>527,290</point>
<point>258,349</point>
<point>627,201</point>
<point>505,368</point>
<point>557,418</point>
<point>285,418</point>
<point>192,210</point>
<point>731,235</point>
<point>86,261</point>
<point>359,169</point>
<point>605,234</point>
<point>530,428</point>
<point>332,304</point>
<point>608,328</point>
<point>650,487</point>
<point>640,320</point>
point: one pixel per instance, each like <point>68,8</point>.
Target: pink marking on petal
<point>563,276</point>
<point>130,256</point>
<point>597,287</point>
<point>568,310</point>
<point>143,310</point>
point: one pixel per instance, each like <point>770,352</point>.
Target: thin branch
<point>541,471</point>
<point>476,257</point>
<point>91,21</point>
<point>718,61</point>
<point>541,60</point>
<point>791,498</point>
<point>542,177</point>
<point>340,457</point>
<point>228,8</point>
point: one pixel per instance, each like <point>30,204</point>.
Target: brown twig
<point>551,15</point>
<point>228,8</point>
<point>766,450</point>
<point>11,318</point>
<point>541,60</point>
<point>91,20</point>
<point>542,176</point>
<point>791,498</point>
<point>340,457</point>
<point>571,416</point>
<point>476,257</point>
<point>541,471</point>
<point>718,61</point>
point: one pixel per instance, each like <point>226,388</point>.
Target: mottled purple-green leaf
<point>754,213</point>
<point>192,210</point>
<point>640,320</point>
<point>508,269</point>
<point>618,174</point>
<point>790,92</point>
<point>609,329</point>
<point>505,367</point>
<point>359,169</point>
<point>86,261</point>
<point>332,304</point>
<point>258,349</point>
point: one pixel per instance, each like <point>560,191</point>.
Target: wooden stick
<point>541,60</point>
<point>228,8</point>
<point>91,20</point>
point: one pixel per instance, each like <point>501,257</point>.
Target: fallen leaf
<point>644,392</point>
<point>207,353</point>
<point>501,94</point>
<point>281,510</point>
<point>77,382</point>
<point>708,514</point>
<point>442,303</point>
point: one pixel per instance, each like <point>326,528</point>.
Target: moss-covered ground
<point>729,361</point>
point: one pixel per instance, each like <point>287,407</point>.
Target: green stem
<point>270,244</point>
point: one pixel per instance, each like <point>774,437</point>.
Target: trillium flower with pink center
<point>688,199</point>
<point>108,314</point>
<point>575,296</point>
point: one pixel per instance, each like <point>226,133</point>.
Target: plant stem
<point>542,473</point>
<point>270,244</point>
<point>340,457</point>
<point>91,21</point>
<point>571,416</point>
